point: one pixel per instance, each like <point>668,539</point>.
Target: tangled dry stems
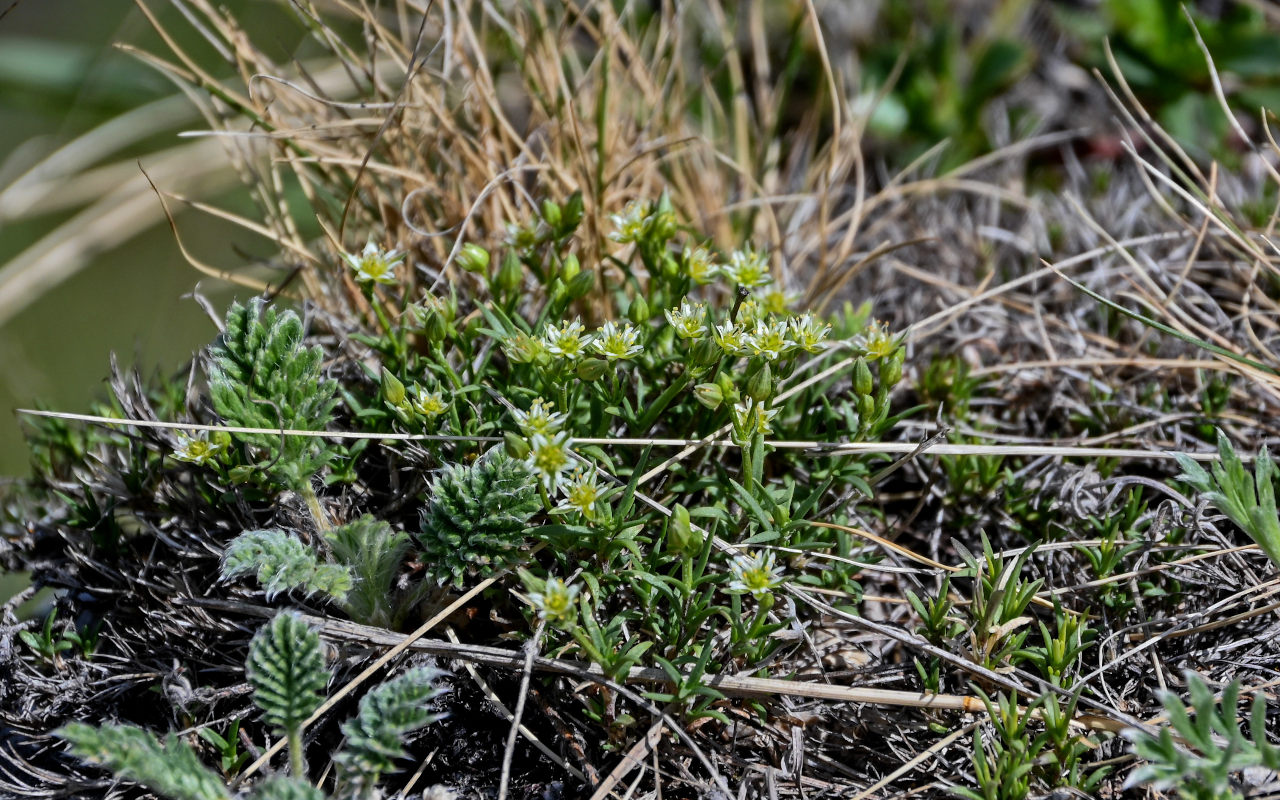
<point>447,144</point>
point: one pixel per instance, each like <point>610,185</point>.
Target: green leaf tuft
<point>287,672</point>
<point>476,520</point>
<point>388,713</point>
<point>282,562</point>
<point>170,768</point>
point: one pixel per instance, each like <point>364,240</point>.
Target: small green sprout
<point>1249,503</point>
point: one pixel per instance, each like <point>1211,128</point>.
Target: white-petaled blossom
<point>524,349</point>
<point>776,301</point>
<point>629,225</point>
<point>428,404</point>
<point>616,342</point>
<point>539,419</point>
<point>689,320</point>
<point>809,332</point>
<point>749,313</point>
<point>701,266</point>
<point>550,457</point>
<point>567,340</point>
<point>555,602</point>
<point>876,341</point>
<point>731,339</point>
<point>581,493</point>
<point>198,449</point>
<point>747,267</point>
<point>770,340</point>
<point>374,265</point>
<point>751,417</point>
<point>755,575</point>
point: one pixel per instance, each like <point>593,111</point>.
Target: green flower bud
<point>727,389</point>
<point>551,213</point>
<point>573,210</point>
<point>866,407</point>
<point>760,385</point>
<point>669,267</point>
<point>581,283</point>
<point>862,382</point>
<point>704,352</point>
<point>392,389</point>
<point>516,445</point>
<point>511,274</point>
<point>709,394</point>
<point>220,440</point>
<point>570,268</point>
<point>681,537</point>
<point>639,311</point>
<point>891,368</point>
<point>592,369</point>
<point>473,258</point>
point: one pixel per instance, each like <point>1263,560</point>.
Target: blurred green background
<point>61,82</point>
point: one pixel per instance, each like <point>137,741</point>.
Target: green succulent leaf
<point>170,768</point>
<point>287,672</point>
<point>282,562</point>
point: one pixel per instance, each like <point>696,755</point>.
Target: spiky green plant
<point>281,788</point>
<point>1222,748</point>
<point>1249,502</point>
<point>375,736</point>
<point>170,768</point>
<point>287,672</point>
<point>282,562</point>
<point>260,376</point>
<point>372,553</point>
<point>475,521</point>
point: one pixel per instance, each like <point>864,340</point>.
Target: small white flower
<point>776,301</point>
<point>616,342</point>
<point>876,341</point>
<point>374,265</point>
<point>769,340</point>
<point>198,449</point>
<point>549,456</point>
<point>555,602</point>
<point>539,419</point>
<point>581,494</point>
<point>809,332</point>
<point>731,338</point>
<point>701,267</point>
<point>428,404</point>
<point>751,417</point>
<point>566,341</point>
<point>755,575</point>
<point>629,225</point>
<point>748,268</point>
<point>689,319</point>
